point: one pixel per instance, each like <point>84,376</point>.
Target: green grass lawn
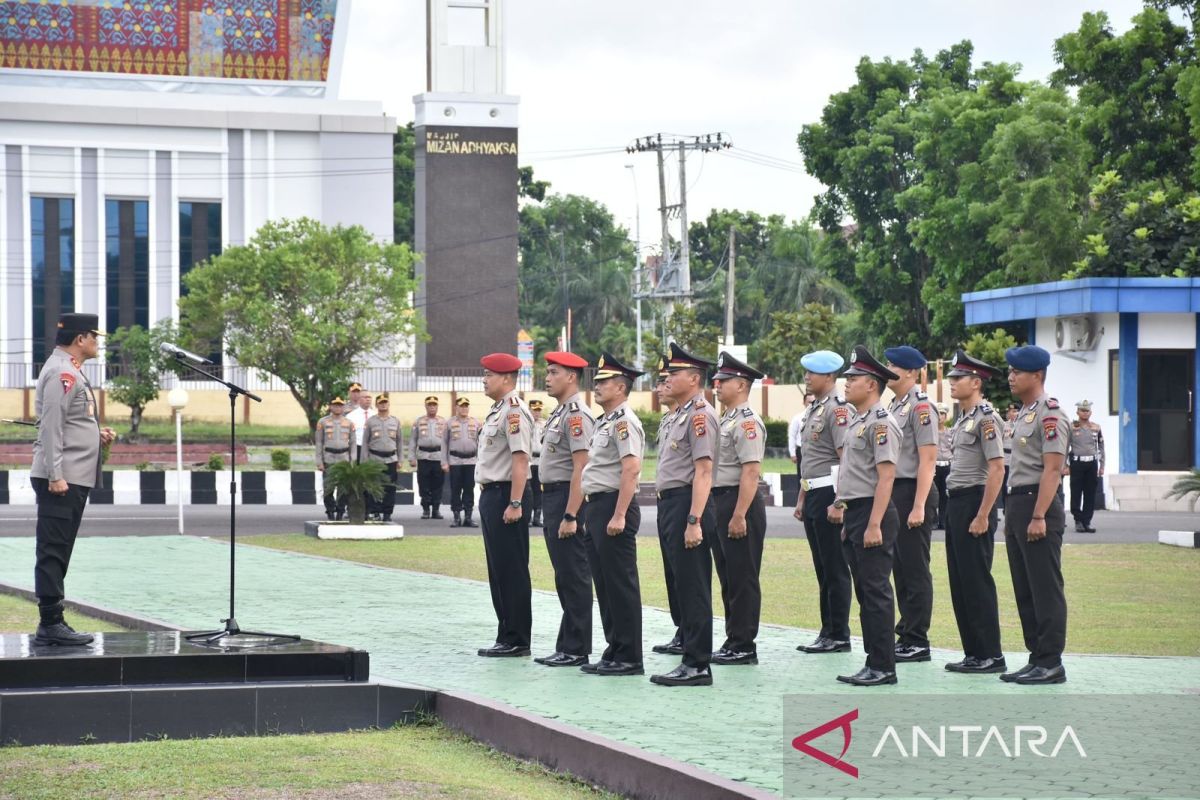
<point>163,432</point>
<point>1123,598</point>
<point>20,616</point>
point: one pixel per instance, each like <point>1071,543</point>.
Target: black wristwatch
<point>515,503</point>
<point>693,519</point>
<point>568,517</point>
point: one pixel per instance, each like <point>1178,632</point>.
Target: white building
<point>139,137</point>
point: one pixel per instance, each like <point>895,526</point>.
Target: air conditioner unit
<point>1076,332</point>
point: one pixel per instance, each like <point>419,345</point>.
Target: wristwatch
<point>569,517</point>
<point>515,503</point>
<point>840,504</point>
<point>693,519</point>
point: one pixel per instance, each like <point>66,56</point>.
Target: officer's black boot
<point>457,520</point>
<point>424,512</point>
<point>437,512</point>
<point>54,630</point>
<point>536,521</point>
<point>468,522</point>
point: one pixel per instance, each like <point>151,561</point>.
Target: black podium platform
<point>156,684</point>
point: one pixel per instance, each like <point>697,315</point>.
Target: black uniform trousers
<point>940,473</point>
<point>506,546</point>
<point>872,569</point>
<point>572,573</point>
<point>535,487</point>
<point>910,565</point>
<point>429,482</point>
<point>1037,578</point>
<point>332,503</point>
<point>462,489</point>
<point>738,562</point>
<point>387,503</point>
<point>669,577</point>
<point>1083,489</point>
<point>618,590</point>
<point>693,571</point>
<point>58,518</point>
<point>969,563</point>
<point>829,562</point>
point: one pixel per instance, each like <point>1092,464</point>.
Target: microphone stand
<point>231,627</point>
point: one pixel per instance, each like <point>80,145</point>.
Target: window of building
<point>1114,382</point>
<point>127,263</point>
<point>199,240</point>
<point>52,225</point>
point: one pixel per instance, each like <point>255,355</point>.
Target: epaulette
<point>985,408</point>
<point>837,398</point>
<point>922,396</point>
<point>620,412</point>
<point>572,406</point>
<point>881,413</point>
<point>699,402</point>
<point>1051,402</point>
<point>514,401</point>
<point>747,412</point>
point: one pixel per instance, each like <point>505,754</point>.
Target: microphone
<point>179,352</point>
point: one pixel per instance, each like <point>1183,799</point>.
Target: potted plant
<point>1186,488</point>
<point>355,482</point>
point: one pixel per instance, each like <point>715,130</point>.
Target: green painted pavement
<point>424,629</point>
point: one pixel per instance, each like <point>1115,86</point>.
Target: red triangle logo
<point>801,743</point>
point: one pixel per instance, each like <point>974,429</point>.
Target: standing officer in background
<point>352,392</point>
<point>66,466</point>
<point>564,454</point>
<point>794,435</point>
<point>461,446</point>
<point>335,442</point>
<point>610,483</point>
<point>944,454</point>
<point>741,512</point>
<point>823,433</point>
<point>535,486</point>
<point>662,390</point>
<point>359,415</point>
<point>1010,424</point>
<point>974,483</point>
<point>685,513</point>
<point>915,501</point>
<point>864,505</point>
<point>1085,460</point>
<point>382,442</point>
<point>426,447</point>
<point>503,473</point>
<point>1034,519</point>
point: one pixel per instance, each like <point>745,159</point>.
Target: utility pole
<point>685,272</point>
<point>637,262</point>
<point>729,278</point>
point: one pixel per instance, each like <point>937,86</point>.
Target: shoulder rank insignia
<point>620,412</point>
<point>881,413</point>
<point>1051,402</point>
<point>985,408</point>
<point>747,412</point>
<point>514,401</point>
<point>922,395</point>
<point>572,406</point>
<point>838,399</point>
<point>699,402</point>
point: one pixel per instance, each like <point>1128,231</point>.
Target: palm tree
<point>355,482</point>
<point>1186,488</point>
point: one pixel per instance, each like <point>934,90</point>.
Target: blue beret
<point>905,357</point>
<point>822,361</point>
<point>1029,358</point>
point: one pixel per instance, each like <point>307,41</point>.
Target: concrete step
<point>1153,505</point>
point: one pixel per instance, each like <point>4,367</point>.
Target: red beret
<point>566,360</point>
<point>501,362</point>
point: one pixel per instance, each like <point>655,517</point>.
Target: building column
<point>1127,357</point>
<point>1196,397</point>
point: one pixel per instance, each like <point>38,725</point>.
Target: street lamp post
<point>637,262</point>
<point>177,399</point>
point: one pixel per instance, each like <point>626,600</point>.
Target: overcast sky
<point>597,75</point>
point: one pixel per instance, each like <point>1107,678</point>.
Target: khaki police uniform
<point>1041,428</point>
<point>67,448</point>
<point>874,438</point>
<point>1085,457</point>
<point>675,645</point>
<point>822,435</point>
<point>507,429</point>
<point>691,437</point>
<point>617,436</point>
<point>381,443</point>
<point>978,439</point>
<point>567,431</point>
<point>742,440</point>
<point>335,443</point>
<point>427,445</point>
<point>919,424</point>
<point>461,448</point>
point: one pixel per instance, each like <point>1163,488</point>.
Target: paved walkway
<point>424,629</point>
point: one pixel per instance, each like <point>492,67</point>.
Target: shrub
<point>281,459</point>
<point>216,462</point>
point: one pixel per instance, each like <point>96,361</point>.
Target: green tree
<point>791,335</point>
<point>990,347</point>
<point>140,367</point>
<point>685,328</point>
<point>403,184</point>
<point>305,303</point>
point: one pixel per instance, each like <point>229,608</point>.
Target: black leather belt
<point>337,451</point>
<point>427,449</point>
<point>597,495</point>
<point>855,502</point>
<point>382,453</point>
<point>898,480</point>
<point>719,490</point>
<point>464,455</point>
<point>556,486</point>
<point>665,493</point>
<point>495,485</point>
<point>961,490</point>
<point>1030,488</point>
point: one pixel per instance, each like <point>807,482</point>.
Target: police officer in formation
<point>459,459</point>
<point>381,443</point>
<point>1085,462</point>
<point>685,513</point>
<point>565,439</point>
<point>535,486</point>
<point>503,474</point>
<point>915,501</point>
<point>973,486</point>
<point>864,508</point>
<point>823,432</point>
<point>662,390</point>
<point>942,465</point>
<point>66,466</point>
<point>1034,518</point>
<point>741,513</point>
<point>426,454</point>
<point>335,443</point>
<point>610,484</point>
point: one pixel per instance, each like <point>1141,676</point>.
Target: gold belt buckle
<point>804,484</point>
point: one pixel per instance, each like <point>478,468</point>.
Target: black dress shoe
<point>985,666</point>
<point>470,523</point>
<point>910,653</point>
<point>869,677</point>
<point>1088,529</point>
<point>1080,527</point>
<point>731,657</point>
<point>60,634</point>
<point>424,512</point>
<point>329,516</point>
<point>504,651</point>
<point>436,514</point>
<point>544,659</point>
<point>671,648</point>
<point>1011,677</point>
<point>563,660</point>
<point>683,675</point>
<point>968,663</point>
<point>620,668</point>
<point>591,668</point>
<point>1043,675</point>
<point>826,646</point>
